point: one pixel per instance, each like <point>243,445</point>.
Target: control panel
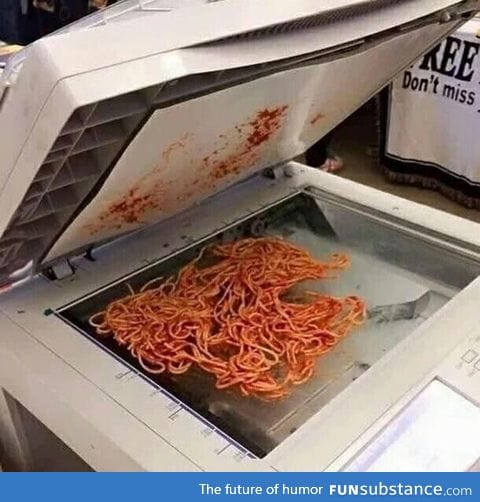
<point>462,369</point>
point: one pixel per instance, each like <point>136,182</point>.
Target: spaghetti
<point>237,318</point>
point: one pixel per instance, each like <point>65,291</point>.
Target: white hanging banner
<point>433,120</point>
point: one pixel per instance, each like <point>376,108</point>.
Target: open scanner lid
<point>149,107</point>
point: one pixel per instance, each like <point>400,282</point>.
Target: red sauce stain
<point>145,197</point>
<point>316,118</point>
<point>235,153</point>
<point>252,135</point>
<point>132,207</point>
<point>129,209</point>
<point>266,123</point>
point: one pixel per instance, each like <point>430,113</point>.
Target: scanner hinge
<point>59,270</point>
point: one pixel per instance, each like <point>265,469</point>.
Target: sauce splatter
<point>129,209</point>
<point>265,124</point>
<point>132,207</point>
<point>234,152</point>
<point>252,134</point>
<point>316,118</point>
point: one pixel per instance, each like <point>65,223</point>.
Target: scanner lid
<point>145,109</point>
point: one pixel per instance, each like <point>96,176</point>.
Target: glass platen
<point>403,278</point>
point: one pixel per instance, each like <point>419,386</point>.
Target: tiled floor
<point>352,142</point>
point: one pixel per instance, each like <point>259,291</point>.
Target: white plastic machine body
<point>138,136</point>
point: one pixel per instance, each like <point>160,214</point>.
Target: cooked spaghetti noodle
<point>234,320</point>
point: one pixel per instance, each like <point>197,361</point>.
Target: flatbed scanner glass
<point>403,277</point>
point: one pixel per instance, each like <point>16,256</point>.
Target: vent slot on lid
<point>88,143</point>
<point>62,143</point>
<point>98,136</point>
<point>47,171</point>
<point>324,18</point>
<point>106,112</point>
